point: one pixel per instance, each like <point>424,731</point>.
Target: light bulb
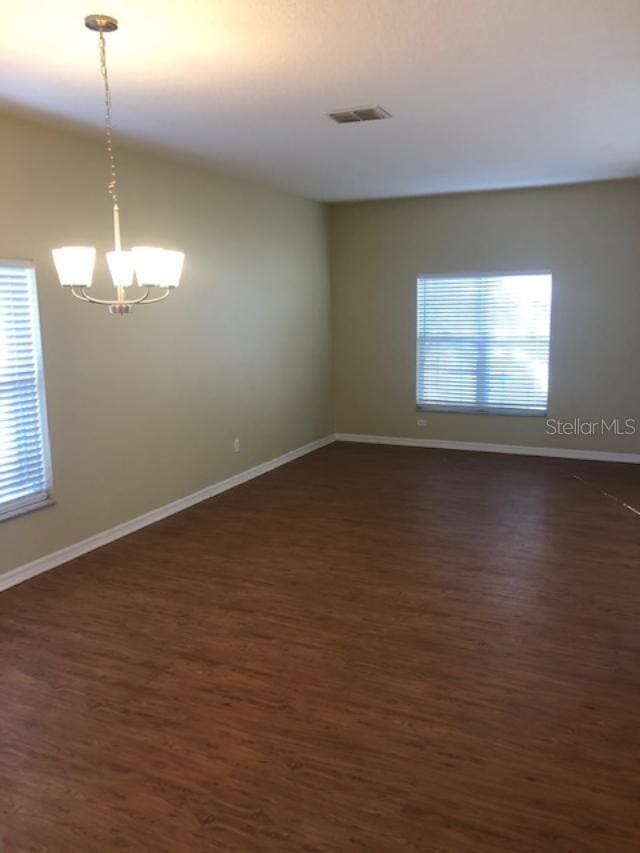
<point>74,265</point>
<point>157,267</point>
<point>121,268</point>
<point>173,263</point>
<point>148,262</point>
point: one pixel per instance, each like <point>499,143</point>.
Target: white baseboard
<point>50,561</point>
<point>518,450</point>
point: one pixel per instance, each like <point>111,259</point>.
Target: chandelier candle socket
<point>153,267</point>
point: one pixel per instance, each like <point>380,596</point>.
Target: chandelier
<point>156,270</point>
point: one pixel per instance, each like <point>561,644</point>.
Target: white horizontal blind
<point>24,462</point>
<point>483,343</point>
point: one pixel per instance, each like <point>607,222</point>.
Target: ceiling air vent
<point>359,114</point>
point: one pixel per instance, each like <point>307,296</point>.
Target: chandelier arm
<point>155,298</point>
<point>140,299</point>
<point>93,299</point>
<point>82,296</point>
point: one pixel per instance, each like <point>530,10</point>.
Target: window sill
<point>465,410</point>
<point>13,512</point>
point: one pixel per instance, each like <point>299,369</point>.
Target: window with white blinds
<point>483,343</point>
<point>24,453</point>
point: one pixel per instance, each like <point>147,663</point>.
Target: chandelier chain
<point>113,178</point>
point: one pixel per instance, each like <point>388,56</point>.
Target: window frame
<point>479,410</point>
<point>38,500</point>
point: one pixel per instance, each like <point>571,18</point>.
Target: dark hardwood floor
<point>372,648</point>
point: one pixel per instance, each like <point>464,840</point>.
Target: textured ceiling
<point>483,93</point>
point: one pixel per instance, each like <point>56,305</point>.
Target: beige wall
<point>587,235</point>
<point>143,409</point>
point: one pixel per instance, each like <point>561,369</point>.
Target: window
<point>483,343</point>
<point>24,454</point>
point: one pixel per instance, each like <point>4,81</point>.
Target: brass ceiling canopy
<point>101,23</point>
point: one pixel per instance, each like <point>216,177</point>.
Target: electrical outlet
<point>236,445</point>
<point>422,422</point>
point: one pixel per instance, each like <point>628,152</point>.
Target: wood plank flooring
<point>372,648</point>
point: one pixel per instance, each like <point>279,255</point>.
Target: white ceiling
<point>483,93</point>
